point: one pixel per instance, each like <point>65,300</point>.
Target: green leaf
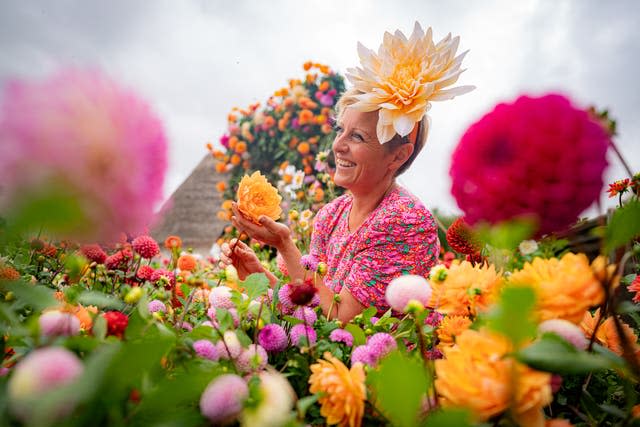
<point>292,320</point>
<point>512,316</point>
<point>368,313</point>
<point>624,225</point>
<point>399,385</point>
<point>99,328</point>
<point>100,300</point>
<point>508,234</point>
<point>225,321</point>
<point>36,296</point>
<point>255,285</point>
<point>359,338</point>
<point>449,418</point>
<point>305,403</point>
<point>553,354</point>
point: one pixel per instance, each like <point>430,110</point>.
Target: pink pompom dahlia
<point>222,400</point>
<point>94,252</point>
<point>56,323</point>
<point>407,288</point>
<point>145,246</point>
<point>539,157</point>
<point>273,338</point>
<point>95,141</point>
<point>41,371</point>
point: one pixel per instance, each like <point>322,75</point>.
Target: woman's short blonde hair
<point>349,98</point>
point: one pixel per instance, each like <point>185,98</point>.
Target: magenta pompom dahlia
<point>381,344</point>
<point>157,305</point>
<point>273,338</point>
<point>300,331</point>
<point>340,335</point>
<point>95,141</point>
<point>539,157</point>
<point>206,349</point>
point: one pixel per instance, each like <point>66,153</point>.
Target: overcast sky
<point>194,60</point>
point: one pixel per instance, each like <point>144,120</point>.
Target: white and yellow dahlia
<point>404,77</point>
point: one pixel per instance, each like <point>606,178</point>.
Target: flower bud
<point>322,268</point>
<point>134,295</point>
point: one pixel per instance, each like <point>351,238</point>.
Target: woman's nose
<point>339,144</point>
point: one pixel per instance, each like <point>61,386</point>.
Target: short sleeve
<point>402,242</point>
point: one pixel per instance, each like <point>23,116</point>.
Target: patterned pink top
<point>398,237</point>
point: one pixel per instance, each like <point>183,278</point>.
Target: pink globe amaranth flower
<point>566,330</point>
<point>156,305</point>
<point>41,371</point>
<point>206,349</point>
<point>306,314</point>
<point>405,288</point>
<point>300,331</point>
<point>222,400</point>
<point>145,272</point>
<point>273,338</point>
<point>99,143</point>
<point>340,335</point>
<point>252,359</point>
<point>220,297</point>
<point>364,355</point>
<point>537,157</point>
<point>145,246</point>
<point>94,252</point>
<point>56,323</point>
<point>381,344</point>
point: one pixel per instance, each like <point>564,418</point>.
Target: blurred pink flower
<point>87,135</point>
<point>540,157</point>
<point>221,402</point>
<point>406,288</point>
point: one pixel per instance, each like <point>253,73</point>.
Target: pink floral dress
<point>399,237</point>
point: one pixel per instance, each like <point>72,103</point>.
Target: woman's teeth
<point>344,163</point>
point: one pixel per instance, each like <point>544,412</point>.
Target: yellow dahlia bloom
<point>565,287</point>
<point>343,402</point>
<point>476,374</point>
<point>607,334</point>
<point>466,290</point>
<point>404,76</point>
<point>256,197</point>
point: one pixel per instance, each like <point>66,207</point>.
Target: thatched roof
<point>190,212</point>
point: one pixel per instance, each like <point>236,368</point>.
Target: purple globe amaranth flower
<point>206,349</point>
<point>306,314</point>
<point>273,338</point>
<point>566,330</point>
<point>42,371</point>
<point>407,288</point>
<point>56,323</point>
<point>300,331</point>
<point>309,262</point>
<point>68,129</point>
<point>364,355</point>
<point>539,157</point>
<point>381,344</point>
<point>222,400</point>
<point>252,359</point>
<point>157,305</point>
<point>340,335</point>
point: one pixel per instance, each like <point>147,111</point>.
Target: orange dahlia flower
<point>344,391</point>
<point>476,374</point>
<point>173,242</point>
<point>467,289</point>
<point>187,262</point>
<point>257,197</point>
<point>607,335</point>
<point>564,287</point>
<point>450,328</point>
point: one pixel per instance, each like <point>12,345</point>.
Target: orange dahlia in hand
<point>257,197</point>
<point>343,388</point>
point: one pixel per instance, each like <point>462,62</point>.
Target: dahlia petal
<point>403,125</point>
<point>447,94</point>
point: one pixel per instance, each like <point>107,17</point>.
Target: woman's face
<point>362,163</point>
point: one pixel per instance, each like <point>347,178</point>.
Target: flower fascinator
<point>402,79</point>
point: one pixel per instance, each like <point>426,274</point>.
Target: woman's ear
<point>400,155</point>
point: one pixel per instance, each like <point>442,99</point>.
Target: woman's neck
<point>365,202</point>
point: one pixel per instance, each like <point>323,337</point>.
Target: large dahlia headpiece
<point>404,77</point>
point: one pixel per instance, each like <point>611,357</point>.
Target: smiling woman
<point>378,230</point>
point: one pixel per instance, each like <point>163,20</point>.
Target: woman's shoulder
<point>403,209</point>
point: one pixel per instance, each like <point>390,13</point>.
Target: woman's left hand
<point>268,232</point>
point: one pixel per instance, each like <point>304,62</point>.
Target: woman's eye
<point>358,137</point>
<point>337,129</point>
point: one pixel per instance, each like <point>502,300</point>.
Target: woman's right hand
<point>268,232</point>
<point>243,258</point>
